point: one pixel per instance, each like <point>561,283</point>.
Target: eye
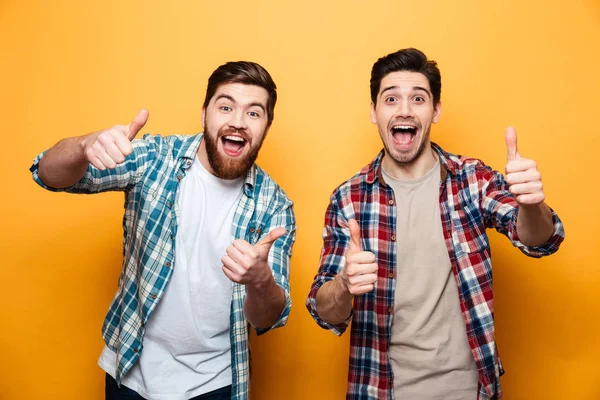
<point>390,99</point>
<point>419,99</point>
<point>253,114</point>
<point>225,108</point>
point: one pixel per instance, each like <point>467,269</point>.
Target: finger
<point>138,123</point>
<point>361,289</point>
<point>230,264</point>
<point>103,156</point>
<point>123,143</point>
<point>236,254</point>
<point>366,279</point>
<point>271,237</point>
<point>361,269</point>
<point>511,143</point>
<point>362,257</point>
<point>531,175</point>
<point>354,235</point>
<point>531,199</point>
<point>95,161</point>
<point>231,276</point>
<point>520,165</point>
<point>113,151</point>
<point>243,246</point>
<point>526,188</point>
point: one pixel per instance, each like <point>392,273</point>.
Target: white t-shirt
<point>186,346</point>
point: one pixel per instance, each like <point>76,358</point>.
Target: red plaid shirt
<point>472,198</point>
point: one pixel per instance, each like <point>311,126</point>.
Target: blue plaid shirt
<point>150,178</point>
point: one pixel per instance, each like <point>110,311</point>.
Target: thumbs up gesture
<point>108,148</point>
<point>247,264</point>
<point>522,175</point>
<point>360,273</point>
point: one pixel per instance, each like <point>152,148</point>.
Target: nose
<point>404,109</point>
<point>238,120</point>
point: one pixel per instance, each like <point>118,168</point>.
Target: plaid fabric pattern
<point>150,177</point>
<point>473,198</point>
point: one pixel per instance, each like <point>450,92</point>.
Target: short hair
<point>248,73</point>
<point>412,60</point>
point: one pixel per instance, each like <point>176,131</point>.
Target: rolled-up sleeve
<point>501,211</point>
<point>336,239</point>
<point>121,178</point>
<point>280,257</point>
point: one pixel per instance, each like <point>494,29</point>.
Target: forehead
<point>241,93</point>
<point>404,80</point>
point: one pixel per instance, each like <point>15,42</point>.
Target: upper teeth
<point>403,127</point>
<point>234,138</point>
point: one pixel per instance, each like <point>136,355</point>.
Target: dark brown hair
<point>248,73</point>
<point>412,60</point>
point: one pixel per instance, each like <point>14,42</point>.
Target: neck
<point>410,170</point>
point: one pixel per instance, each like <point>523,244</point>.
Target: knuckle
<point>103,137</point>
<point>89,153</point>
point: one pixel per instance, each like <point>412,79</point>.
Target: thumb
<point>511,144</point>
<point>138,123</point>
<point>271,237</point>
<point>354,236</point>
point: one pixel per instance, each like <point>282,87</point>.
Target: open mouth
<point>403,134</point>
<point>233,145</point>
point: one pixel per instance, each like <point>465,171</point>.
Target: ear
<point>373,115</point>
<point>437,112</point>
<point>203,118</point>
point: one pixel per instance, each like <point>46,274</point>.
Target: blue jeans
<point>113,392</point>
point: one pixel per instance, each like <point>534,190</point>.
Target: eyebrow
<point>414,88</point>
<point>228,97</point>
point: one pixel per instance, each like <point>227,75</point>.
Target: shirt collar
<point>449,166</point>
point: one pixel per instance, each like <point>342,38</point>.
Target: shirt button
<point>188,163</point>
<point>252,230</point>
<point>390,309</point>
<point>168,264</point>
<point>391,275</point>
<point>171,236</point>
<point>391,202</point>
<point>169,204</point>
<point>394,238</point>
<point>135,350</point>
<point>154,295</point>
<point>179,177</point>
<point>258,231</point>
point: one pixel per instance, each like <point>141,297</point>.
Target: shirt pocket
<point>468,230</point>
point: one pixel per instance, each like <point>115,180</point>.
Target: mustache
<point>230,131</point>
<point>401,121</point>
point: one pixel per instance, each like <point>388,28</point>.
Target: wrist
<point>263,283</point>
<point>342,291</point>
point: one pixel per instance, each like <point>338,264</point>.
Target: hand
<point>247,264</point>
<point>108,148</point>
<point>522,175</point>
<point>360,273</point>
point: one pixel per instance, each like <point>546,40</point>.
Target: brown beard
<point>420,150</point>
<point>224,167</point>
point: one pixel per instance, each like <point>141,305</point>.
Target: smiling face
<point>404,112</point>
<point>235,124</point>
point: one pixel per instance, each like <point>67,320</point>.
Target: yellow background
<point>71,67</point>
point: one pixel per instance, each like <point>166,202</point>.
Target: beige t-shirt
<point>429,352</point>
